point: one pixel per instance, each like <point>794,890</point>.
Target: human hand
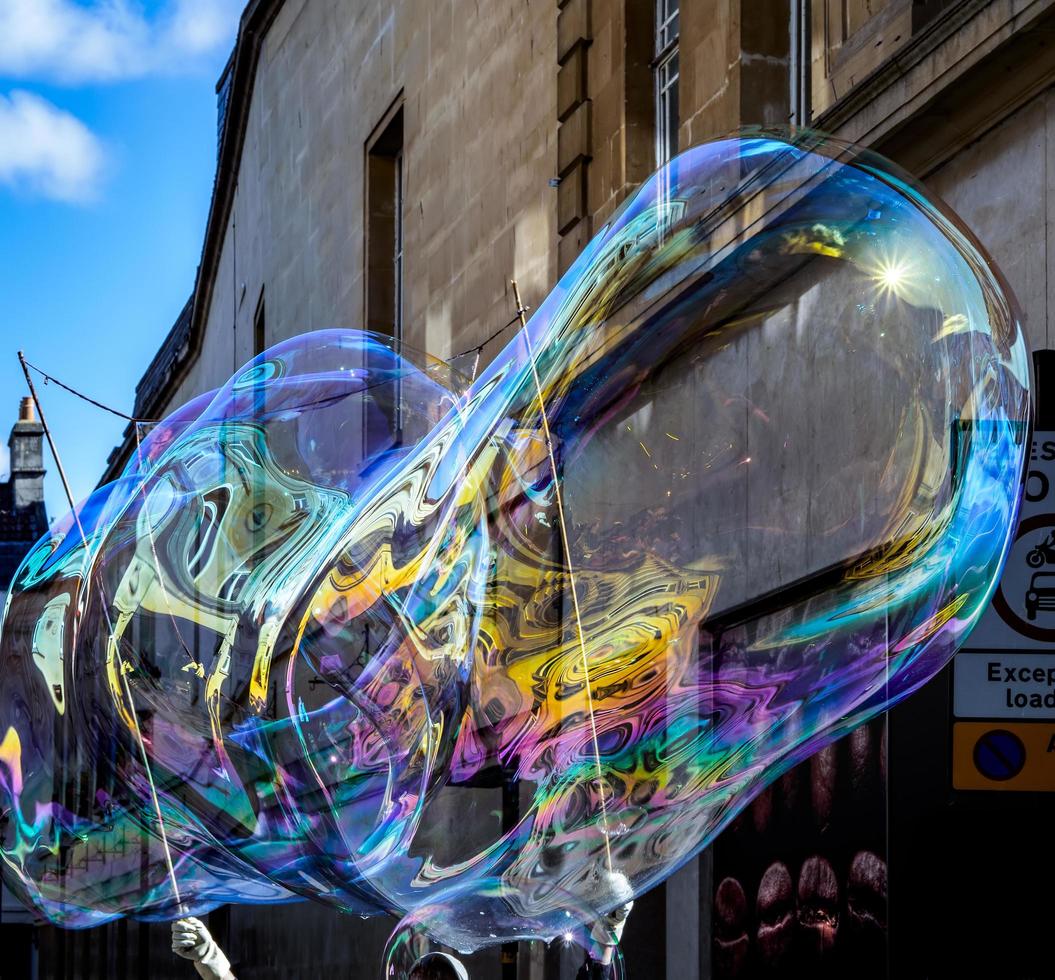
<point>192,941</point>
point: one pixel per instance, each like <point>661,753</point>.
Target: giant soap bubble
<point>785,410</point>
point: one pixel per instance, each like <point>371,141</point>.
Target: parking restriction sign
<point>1022,613</point>
<point>1001,684</point>
<point>993,756</point>
<point>1004,681</point>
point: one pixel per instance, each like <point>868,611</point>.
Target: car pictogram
<point>1041,594</point>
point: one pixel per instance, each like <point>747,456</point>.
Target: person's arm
<point>592,970</point>
<point>608,931</point>
<point>192,941</point>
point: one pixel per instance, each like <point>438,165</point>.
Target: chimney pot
<point>25,485</point>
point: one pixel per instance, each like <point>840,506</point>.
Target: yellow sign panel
<point>997,755</point>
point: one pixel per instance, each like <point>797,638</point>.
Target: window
<point>259,346</point>
<point>385,183</point>
<point>397,253</point>
<point>259,327</point>
<point>384,227</point>
<point>799,64</point>
<point>666,79</point>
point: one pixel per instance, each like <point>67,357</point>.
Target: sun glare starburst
<point>893,276</point>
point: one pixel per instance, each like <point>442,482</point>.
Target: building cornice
<point>951,83</point>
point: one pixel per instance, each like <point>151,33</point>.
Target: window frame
<point>800,65</point>
<point>666,81</point>
<point>384,239</point>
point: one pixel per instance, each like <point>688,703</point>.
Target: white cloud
<point>47,151</point>
<point>109,40</point>
<point>202,26</point>
<point>5,464</point>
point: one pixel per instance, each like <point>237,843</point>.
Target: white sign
<point>998,684</point>
<point>1022,613</point>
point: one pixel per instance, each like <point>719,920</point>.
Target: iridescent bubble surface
<point>787,397</point>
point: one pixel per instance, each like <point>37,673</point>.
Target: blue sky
<point>107,154</point>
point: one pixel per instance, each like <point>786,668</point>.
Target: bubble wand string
<point>521,311</point>
<point>120,660</point>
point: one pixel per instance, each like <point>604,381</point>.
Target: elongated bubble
<point>787,399</point>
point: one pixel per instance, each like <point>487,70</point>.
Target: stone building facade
<point>395,163</point>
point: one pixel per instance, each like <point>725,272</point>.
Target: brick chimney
<point>26,443</point>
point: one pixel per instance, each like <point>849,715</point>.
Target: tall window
<point>397,252</point>
<point>260,326</point>
<point>666,75</point>
<point>384,264</point>
<point>384,226</point>
<point>799,66</point>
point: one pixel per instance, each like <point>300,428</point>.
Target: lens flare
<point>893,276</point>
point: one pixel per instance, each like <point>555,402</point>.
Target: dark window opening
<point>384,227</point>
<point>385,182</point>
<point>799,55</point>
<point>260,327</point>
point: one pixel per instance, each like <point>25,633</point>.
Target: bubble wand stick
<point>120,660</point>
<point>521,315</point>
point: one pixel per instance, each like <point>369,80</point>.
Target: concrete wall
<point>1002,188</point>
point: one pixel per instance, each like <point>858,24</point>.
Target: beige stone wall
<point>605,140</point>
<point>479,86</point>
<point>734,67</point>
<point>852,38</point>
